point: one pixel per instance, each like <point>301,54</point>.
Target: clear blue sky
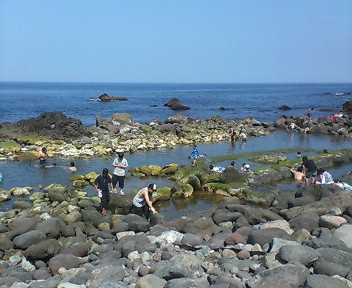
<point>235,41</point>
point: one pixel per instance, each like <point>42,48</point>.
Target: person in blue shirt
<point>195,155</point>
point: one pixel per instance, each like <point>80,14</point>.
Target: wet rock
<point>107,98</point>
<point>285,107</point>
<point>175,104</point>
<point>347,106</point>
<point>191,240</point>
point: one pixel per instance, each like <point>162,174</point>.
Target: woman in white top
<point>142,202</point>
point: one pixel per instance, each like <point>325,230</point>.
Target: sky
<point>176,41</point>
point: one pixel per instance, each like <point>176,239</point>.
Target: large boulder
<point>347,106</point>
<point>107,98</point>
<point>175,104</point>
<point>54,125</point>
<point>43,250</point>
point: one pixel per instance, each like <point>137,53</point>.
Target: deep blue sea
<point>20,100</point>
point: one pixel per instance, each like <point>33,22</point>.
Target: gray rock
<point>308,221</point>
<point>151,281</point>
<point>22,225</point>
<point>50,227</point>
<point>201,226</point>
<point>285,276</point>
<point>187,282</point>
<point>77,249</point>
<point>137,223</point>
<point>224,215</point>
<point>323,281</point>
<point>331,269</point>
<point>66,261</point>
<point>344,233</point>
<point>265,236</point>
<point>217,241</point>
<point>29,238</point>
<point>334,255</point>
<point>43,250</point>
<point>303,254</point>
<point>191,240</point>
<point>5,243</point>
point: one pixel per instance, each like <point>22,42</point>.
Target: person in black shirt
<point>101,185</point>
<point>309,170</point>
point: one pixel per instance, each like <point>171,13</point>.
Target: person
<point>195,155</point>
<point>298,175</point>
<point>232,164</point>
<point>343,185</point>
<point>309,170</point>
<point>309,114</point>
<point>324,177</point>
<point>293,127</point>
<point>243,136</point>
<point>120,163</point>
<point>72,167</point>
<point>101,185</point>
<point>245,167</point>
<point>42,157</point>
<point>232,134</point>
<point>216,168</point>
<point>299,154</point>
<point>142,202</point>
<point>50,166</point>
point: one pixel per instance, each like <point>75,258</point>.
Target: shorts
<point>311,174</point>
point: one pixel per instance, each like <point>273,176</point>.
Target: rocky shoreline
<point>66,137</point>
<point>59,239</point>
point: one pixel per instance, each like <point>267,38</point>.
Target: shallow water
<point>22,174</point>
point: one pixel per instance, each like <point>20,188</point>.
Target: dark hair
<point>211,166</point>
<point>152,186</point>
<point>232,163</point>
<point>320,171</point>
<point>105,171</point>
<point>300,169</point>
<point>243,164</point>
<point>43,149</point>
<point>121,154</point>
<point>304,158</point>
<point>72,164</point>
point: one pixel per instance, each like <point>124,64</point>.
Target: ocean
<point>21,100</point>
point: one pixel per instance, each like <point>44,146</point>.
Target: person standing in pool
<point>120,163</point>
<point>195,155</point>
<point>101,185</point>
<point>42,157</point>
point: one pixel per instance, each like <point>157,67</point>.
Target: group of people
<point>240,136</point>
<point>42,156</point>
<point>142,201</point>
<point>244,168</point>
<point>312,175</point>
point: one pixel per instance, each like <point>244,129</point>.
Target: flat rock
<point>303,254</point>
<point>344,233</point>
<point>323,281</point>
<point>331,221</point>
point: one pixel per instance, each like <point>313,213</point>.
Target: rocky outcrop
<point>347,106</point>
<point>107,98</point>
<point>175,104</point>
<point>50,124</point>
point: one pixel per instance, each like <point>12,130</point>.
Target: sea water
<point>261,101</point>
<point>20,100</point>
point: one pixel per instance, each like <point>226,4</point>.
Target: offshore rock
<point>175,104</point>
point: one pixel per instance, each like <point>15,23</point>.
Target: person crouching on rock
<point>142,202</point>
<point>101,185</point>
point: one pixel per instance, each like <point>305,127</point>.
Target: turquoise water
<point>22,174</point>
